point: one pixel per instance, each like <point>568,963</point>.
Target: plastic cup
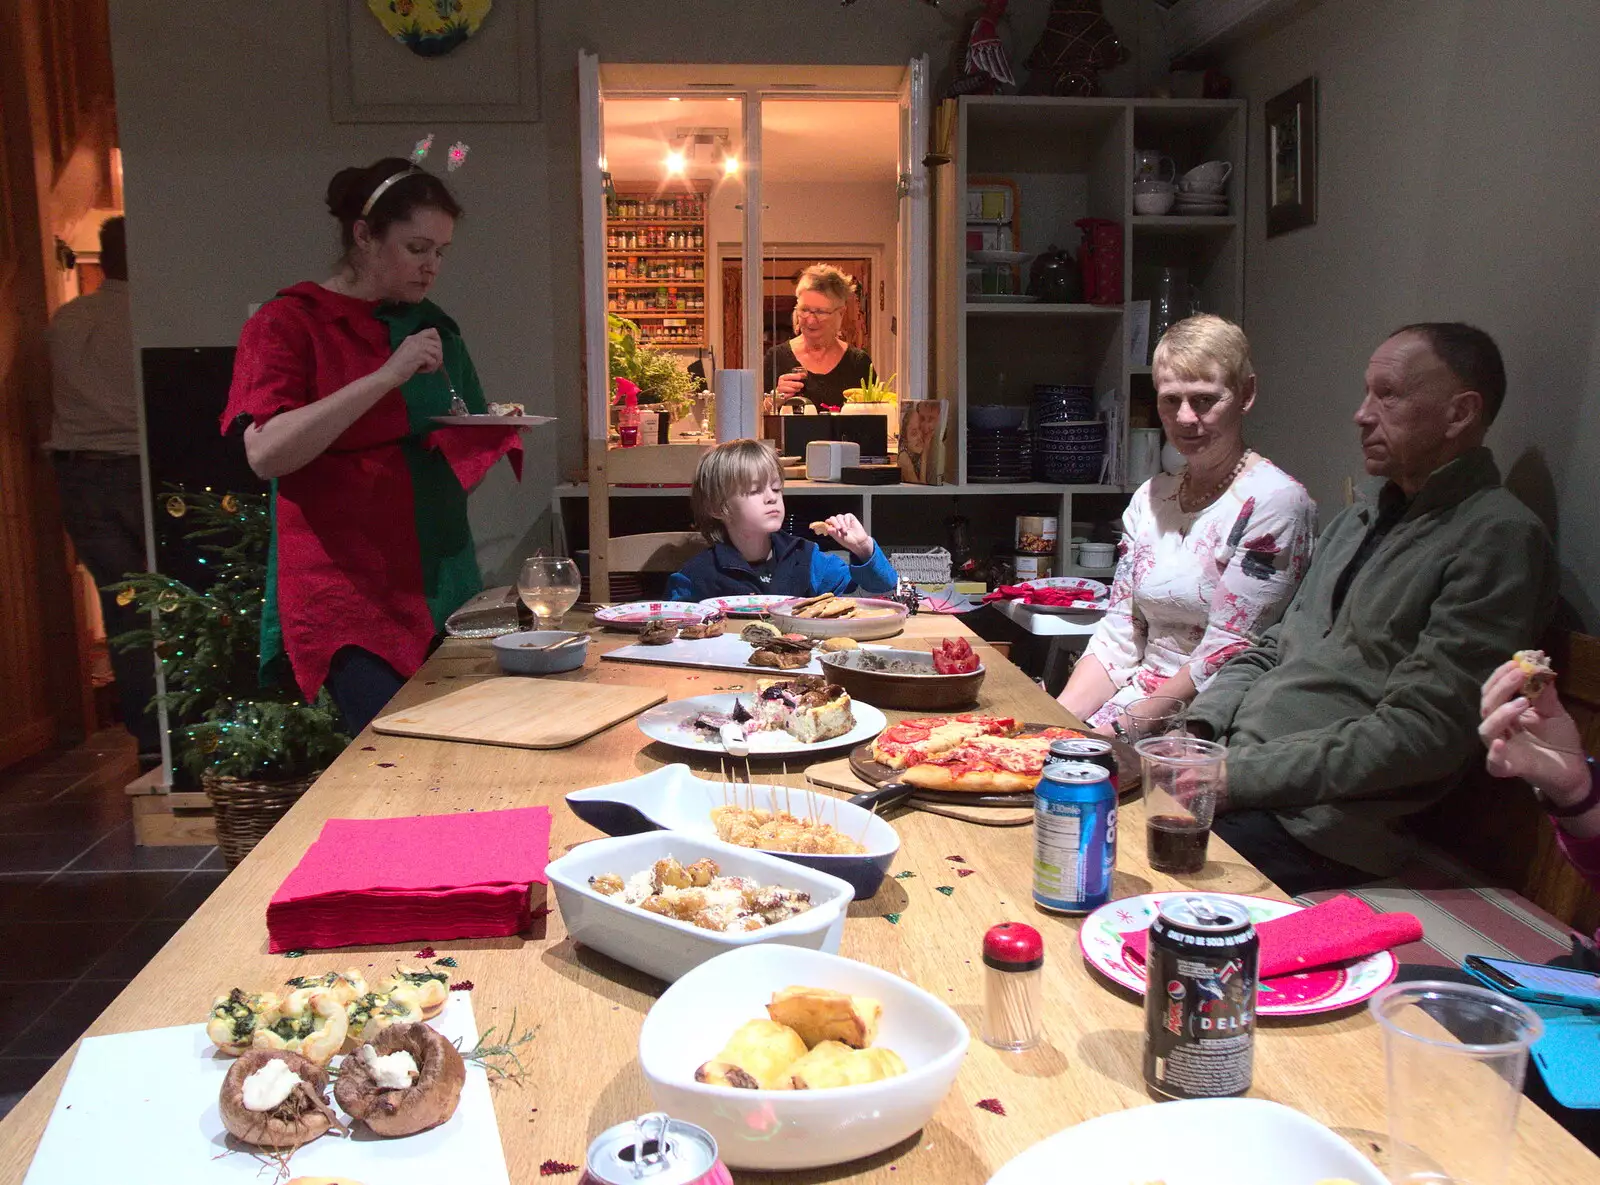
<point>1183,779</point>
<point>1455,1056</point>
<point>1153,716</point>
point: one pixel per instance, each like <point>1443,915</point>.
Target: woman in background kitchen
<point>817,364</point>
<point>340,381</point>
<point>1209,558</point>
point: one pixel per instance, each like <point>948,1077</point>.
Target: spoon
<point>734,739</point>
<point>572,641</point>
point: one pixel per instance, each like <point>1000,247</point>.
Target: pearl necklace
<point>1189,506</point>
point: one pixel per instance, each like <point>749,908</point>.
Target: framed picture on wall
<point>1291,131</point>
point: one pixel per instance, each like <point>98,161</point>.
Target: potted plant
<point>249,739</point>
<point>658,376</point>
<point>874,398</point>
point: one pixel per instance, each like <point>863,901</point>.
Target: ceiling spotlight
<point>674,99</point>
<point>730,165</point>
<point>675,161</point>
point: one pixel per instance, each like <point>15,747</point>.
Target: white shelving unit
<point>1071,159</point>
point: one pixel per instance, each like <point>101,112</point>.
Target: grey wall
<point>228,146</point>
<point>1458,180</point>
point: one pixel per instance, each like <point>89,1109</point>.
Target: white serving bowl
<point>674,799</point>
<point>523,654</point>
<point>1153,203</point>
<point>776,1130</point>
<point>1182,1144</point>
<point>666,947</point>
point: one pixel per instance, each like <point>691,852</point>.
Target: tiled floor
<point>82,907</point>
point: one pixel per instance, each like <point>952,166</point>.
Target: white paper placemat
<point>141,1109</point>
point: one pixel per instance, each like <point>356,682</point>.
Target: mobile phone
<point>1535,983</point>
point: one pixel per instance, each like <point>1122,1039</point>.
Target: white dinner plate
<point>754,605</point>
<point>633,615</point>
<point>1193,1142</point>
<point>1322,990</point>
<point>1098,605</point>
<point>495,421</point>
<point>670,723</point>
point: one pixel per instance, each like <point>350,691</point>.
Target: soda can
<point>657,1150</point>
<point>1200,998</point>
<point>1074,837</point>
<point>1094,750</point>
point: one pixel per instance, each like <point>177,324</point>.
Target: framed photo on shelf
<point>1291,131</point>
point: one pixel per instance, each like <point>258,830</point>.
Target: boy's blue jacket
<point>799,568</point>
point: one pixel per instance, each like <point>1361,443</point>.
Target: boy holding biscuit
<point>737,499</point>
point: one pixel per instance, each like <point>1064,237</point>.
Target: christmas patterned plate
<point>755,605</point>
<point>632,615</point>
<point>1323,990</point>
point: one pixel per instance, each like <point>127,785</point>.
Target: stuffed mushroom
<point>404,1081</point>
<point>274,1098</point>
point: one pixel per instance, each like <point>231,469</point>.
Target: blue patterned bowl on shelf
<point>1077,470</point>
<point>1067,432</point>
<point>1054,401</point>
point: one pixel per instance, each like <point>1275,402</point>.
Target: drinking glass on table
<point>1183,779</point>
<point>1455,1057</point>
<point>1153,716</point>
<point>548,586</point>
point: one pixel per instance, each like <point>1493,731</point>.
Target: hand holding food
<point>847,531</point>
<point>274,1099</point>
<point>1533,738</point>
<point>407,1080</point>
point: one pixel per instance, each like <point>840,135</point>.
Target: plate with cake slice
<point>782,717</point>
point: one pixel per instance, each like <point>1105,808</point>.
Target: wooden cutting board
<point>521,712</point>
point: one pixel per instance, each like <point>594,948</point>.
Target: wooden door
<point>56,136</point>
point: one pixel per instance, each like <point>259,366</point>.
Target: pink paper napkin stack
<point>424,878</point>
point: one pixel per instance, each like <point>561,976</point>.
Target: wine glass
<point>548,586</point>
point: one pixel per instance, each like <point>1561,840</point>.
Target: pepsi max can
<point>1094,750</point>
<point>1200,997</point>
<point>1074,837</point>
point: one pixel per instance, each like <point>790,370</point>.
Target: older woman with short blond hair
<point>1210,557</point>
<point>817,363</point>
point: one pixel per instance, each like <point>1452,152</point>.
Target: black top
<point>822,389</point>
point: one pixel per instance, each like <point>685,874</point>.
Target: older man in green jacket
<point>1360,706</point>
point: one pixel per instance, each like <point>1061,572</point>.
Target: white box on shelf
<point>826,459</point>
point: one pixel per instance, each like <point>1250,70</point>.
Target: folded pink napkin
<point>1340,930</point>
<point>434,877</point>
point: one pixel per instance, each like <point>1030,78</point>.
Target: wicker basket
<point>245,811</point>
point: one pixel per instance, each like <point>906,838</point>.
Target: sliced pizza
<point>914,741</point>
<point>988,764</point>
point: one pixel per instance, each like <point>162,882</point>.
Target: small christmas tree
<point>228,720</point>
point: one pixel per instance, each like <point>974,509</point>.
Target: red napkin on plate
<point>430,877</point>
<point>1336,931</point>
<point>1049,595</point>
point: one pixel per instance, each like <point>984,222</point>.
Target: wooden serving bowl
<point>925,689</point>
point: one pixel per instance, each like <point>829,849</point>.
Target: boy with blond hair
<point>737,499</point>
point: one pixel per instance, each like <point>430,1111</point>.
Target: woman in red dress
<point>339,382</point>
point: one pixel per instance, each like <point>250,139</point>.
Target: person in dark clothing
<point>94,446</point>
<point>817,364</point>
<point>738,506</point>
<point>1359,707</point>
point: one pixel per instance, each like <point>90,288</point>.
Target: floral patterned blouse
<point>1196,589</point>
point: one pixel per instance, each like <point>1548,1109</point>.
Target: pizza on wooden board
<point>976,753</point>
<point>912,742</point>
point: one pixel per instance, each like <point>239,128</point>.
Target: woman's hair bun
<point>345,192</point>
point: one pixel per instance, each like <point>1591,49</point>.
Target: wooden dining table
<point>582,1073</point>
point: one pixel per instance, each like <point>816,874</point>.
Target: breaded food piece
<point>833,1063</point>
<point>756,1057</point>
<point>836,644</point>
<point>820,1014</point>
<point>1537,673</point>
